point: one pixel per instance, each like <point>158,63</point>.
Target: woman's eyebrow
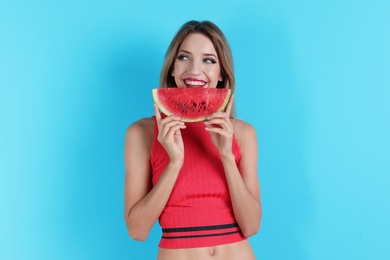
<point>204,54</point>
<point>210,54</point>
<point>185,51</point>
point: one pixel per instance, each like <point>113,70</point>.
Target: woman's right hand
<point>169,136</point>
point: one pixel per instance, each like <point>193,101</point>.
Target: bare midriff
<point>241,251</point>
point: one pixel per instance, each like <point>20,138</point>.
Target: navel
<point>211,251</point>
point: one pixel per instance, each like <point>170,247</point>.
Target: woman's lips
<point>194,83</point>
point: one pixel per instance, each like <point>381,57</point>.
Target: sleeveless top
<point>199,211</point>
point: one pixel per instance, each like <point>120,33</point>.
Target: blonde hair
<point>221,46</point>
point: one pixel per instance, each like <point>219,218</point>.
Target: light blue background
<point>313,78</point>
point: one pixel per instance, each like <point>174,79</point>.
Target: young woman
<point>198,179</point>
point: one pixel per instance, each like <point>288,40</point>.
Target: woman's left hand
<point>221,130</point>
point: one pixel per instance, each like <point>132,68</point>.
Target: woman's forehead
<point>196,43</point>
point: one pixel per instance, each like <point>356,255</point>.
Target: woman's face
<point>197,63</point>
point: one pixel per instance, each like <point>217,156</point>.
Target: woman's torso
<point>237,250</point>
<point>199,211</point>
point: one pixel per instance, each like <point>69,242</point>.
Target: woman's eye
<point>182,57</point>
<point>210,61</point>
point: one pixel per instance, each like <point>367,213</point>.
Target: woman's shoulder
<point>143,123</point>
<point>141,128</point>
<point>242,129</point>
<point>241,126</point>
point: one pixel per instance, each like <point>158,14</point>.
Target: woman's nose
<point>194,68</point>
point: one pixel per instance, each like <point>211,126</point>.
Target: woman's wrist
<point>176,164</point>
<point>229,157</point>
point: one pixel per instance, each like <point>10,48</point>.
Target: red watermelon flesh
<point>191,104</point>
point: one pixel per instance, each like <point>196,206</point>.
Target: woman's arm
<point>143,204</point>
<point>243,182</point>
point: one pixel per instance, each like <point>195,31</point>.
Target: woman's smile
<point>194,83</point>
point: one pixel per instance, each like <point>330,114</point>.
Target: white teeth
<point>195,83</point>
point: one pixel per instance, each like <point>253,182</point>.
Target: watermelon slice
<point>191,104</point>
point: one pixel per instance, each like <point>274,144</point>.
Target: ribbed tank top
<point>199,210</point>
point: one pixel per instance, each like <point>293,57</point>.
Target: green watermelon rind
<point>167,112</point>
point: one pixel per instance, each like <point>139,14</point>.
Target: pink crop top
<point>199,211</point>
